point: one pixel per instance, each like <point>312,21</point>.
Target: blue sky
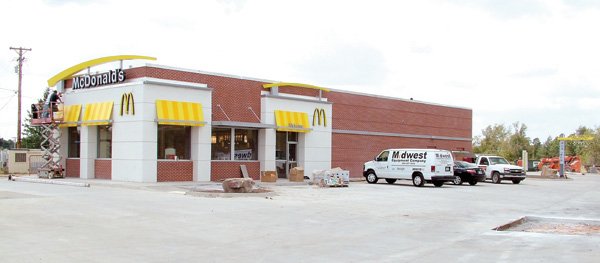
<point>534,62</point>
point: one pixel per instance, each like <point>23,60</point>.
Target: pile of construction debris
<point>335,177</point>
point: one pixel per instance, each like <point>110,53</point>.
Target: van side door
<point>382,164</point>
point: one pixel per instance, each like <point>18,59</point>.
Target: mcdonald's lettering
<point>87,81</point>
<point>127,103</point>
<point>318,116</point>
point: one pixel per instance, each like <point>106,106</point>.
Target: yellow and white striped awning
<point>292,121</point>
<point>71,115</point>
<point>97,113</point>
<point>179,113</point>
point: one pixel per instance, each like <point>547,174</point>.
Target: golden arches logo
<point>318,116</point>
<point>127,102</point>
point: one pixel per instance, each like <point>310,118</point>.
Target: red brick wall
<point>223,170</point>
<point>234,95</point>
<point>103,169</point>
<point>366,113</point>
<point>175,171</point>
<point>72,168</point>
<point>350,151</point>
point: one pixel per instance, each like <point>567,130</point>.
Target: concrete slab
<point>133,222</point>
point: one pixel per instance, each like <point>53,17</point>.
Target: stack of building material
<point>549,172</point>
<point>268,176</point>
<point>335,177</point>
<point>297,174</point>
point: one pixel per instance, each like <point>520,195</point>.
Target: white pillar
<point>266,149</point>
<point>89,151</point>
<point>201,152</point>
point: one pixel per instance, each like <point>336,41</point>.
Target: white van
<point>419,165</point>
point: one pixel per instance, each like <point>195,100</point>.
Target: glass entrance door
<point>286,149</point>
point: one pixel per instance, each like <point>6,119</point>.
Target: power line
<point>8,101</point>
<point>8,89</point>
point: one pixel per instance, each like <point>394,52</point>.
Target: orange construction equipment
<point>572,163</point>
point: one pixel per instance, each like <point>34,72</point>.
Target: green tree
<point>551,146</point>
<point>536,149</point>
<point>578,147</point>
<point>6,144</point>
<point>492,140</point>
<point>591,151</point>
<point>517,142</point>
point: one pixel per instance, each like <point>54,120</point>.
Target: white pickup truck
<point>497,169</point>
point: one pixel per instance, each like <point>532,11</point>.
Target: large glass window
<point>174,142</point>
<point>280,145</point>
<point>221,144</point>
<point>74,142</point>
<point>104,141</point>
<point>244,147</point>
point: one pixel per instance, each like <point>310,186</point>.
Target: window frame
<point>232,144</point>
<point>72,142</point>
<point>19,156</point>
<point>98,141</point>
<point>187,146</point>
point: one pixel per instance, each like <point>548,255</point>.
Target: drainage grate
<point>553,226</point>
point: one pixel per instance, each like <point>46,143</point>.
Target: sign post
<point>561,157</point>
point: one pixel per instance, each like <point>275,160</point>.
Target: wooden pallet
<point>337,185</point>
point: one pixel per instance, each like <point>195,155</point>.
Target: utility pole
<point>19,51</point>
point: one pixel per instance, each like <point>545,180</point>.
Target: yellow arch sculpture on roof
<point>289,84</point>
<point>67,73</point>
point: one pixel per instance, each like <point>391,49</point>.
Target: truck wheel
<point>496,178</point>
<point>438,183</point>
<point>372,178</point>
<point>516,181</point>
<point>390,181</point>
<point>457,180</point>
<point>473,182</point>
<point>418,180</point>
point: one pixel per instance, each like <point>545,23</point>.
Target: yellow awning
<point>97,113</point>
<point>71,115</point>
<point>291,121</point>
<point>179,113</point>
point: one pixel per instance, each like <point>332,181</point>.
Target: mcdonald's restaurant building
<point>156,123</point>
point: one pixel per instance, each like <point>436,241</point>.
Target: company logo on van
<point>443,155</point>
<point>409,157</point>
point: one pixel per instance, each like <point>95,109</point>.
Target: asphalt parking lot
<point>133,222</point>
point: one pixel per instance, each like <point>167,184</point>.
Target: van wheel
<point>516,181</point>
<point>438,183</point>
<point>473,182</point>
<point>418,180</point>
<point>457,180</point>
<point>372,178</point>
<point>390,181</point>
<point>496,178</point>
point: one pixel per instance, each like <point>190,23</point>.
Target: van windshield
<point>498,160</point>
<point>383,157</point>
